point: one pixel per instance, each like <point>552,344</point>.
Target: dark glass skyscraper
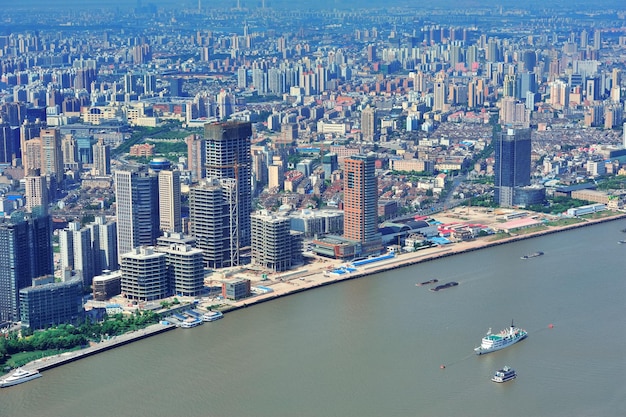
<point>25,253</point>
<point>512,166</point>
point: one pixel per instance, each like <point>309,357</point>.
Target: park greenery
<point>65,337</point>
<point>557,205</point>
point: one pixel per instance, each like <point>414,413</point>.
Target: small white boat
<point>504,374</point>
<point>212,316</point>
<point>19,376</point>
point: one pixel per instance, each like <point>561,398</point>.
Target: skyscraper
<point>36,191</point>
<point>169,201</point>
<point>76,252</point>
<point>196,156</point>
<point>361,202</point>
<point>368,123</point>
<point>136,195</point>
<point>25,254</point>
<point>101,158</point>
<point>512,165</point>
<point>104,244</point>
<point>51,154</point>
<point>228,156</point>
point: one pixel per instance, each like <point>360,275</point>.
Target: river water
<point>374,346</point>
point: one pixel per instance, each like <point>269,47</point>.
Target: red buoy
<point>550,326</point>
<point>443,367</point>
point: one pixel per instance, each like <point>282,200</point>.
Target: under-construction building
<point>274,246</point>
<point>213,217</point>
<point>228,156</point>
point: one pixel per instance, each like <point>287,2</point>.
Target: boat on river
<point>507,337</point>
<point>532,255</point>
<point>19,377</point>
<point>432,281</point>
<point>444,286</point>
<point>504,374</point>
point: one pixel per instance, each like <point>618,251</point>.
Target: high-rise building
<point>196,157</point>
<point>185,269</point>
<point>101,158</point>
<point>211,222</point>
<point>75,245</point>
<point>144,274</point>
<point>104,244</point>
<point>361,202</point>
<point>512,164</point>
<point>51,154</point>
<point>51,304</point>
<point>274,246</point>
<point>368,123</point>
<point>169,201</point>
<point>440,92</point>
<point>228,156</point>
<point>137,200</point>
<point>36,191</point>
<point>25,254</point>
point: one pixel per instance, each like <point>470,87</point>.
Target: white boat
<point>19,376</point>
<point>212,316</point>
<point>507,337</point>
<point>504,374</point>
<point>190,322</point>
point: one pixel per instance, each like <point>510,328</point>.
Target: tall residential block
<point>36,191</point>
<point>76,252</point>
<point>169,201</point>
<point>144,275</point>
<point>361,202</point>
<point>101,159</point>
<point>137,201</point>
<point>368,123</point>
<point>228,156</point>
<point>512,164</point>
<point>274,246</point>
<point>104,244</point>
<point>196,157</point>
<point>185,269</point>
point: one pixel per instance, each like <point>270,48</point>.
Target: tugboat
<point>504,374</point>
<point>507,337</point>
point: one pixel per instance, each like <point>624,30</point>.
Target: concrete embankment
<point>67,357</point>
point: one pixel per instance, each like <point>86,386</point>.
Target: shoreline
<point>305,280</point>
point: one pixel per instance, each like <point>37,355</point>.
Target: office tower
<point>242,77</point>
<point>68,152</point>
<point>196,157</point>
<point>101,158</point>
<point>149,83</point>
<point>275,177</point>
<point>36,191</point>
<point>274,246</point>
<point>9,143</point>
<point>439,92</point>
<point>31,155</point>
<point>212,222</point>
<point>527,83</point>
<point>77,255</point>
<point>361,202</point>
<point>368,124</point>
<point>136,194</point>
<point>512,164</point>
<point>371,53</point>
<point>584,39</point>
<point>229,157</point>
<point>169,201</point>
<point>25,254</point>
<point>51,155</point>
<point>597,39</point>
<point>330,164</point>
<point>185,269</point>
<point>104,244</point>
<point>144,275</point>
<point>529,58</point>
<point>51,304</point>
<point>176,87</point>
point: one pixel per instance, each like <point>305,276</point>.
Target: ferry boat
<point>444,286</point>
<point>190,322</point>
<point>507,337</point>
<point>504,374</point>
<point>18,377</point>
<point>432,281</point>
<point>212,316</point>
<point>532,255</point>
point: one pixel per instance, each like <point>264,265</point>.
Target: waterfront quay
<point>309,277</point>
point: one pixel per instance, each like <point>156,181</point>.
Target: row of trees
<point>66,336</point>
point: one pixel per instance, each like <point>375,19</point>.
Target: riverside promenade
<point>50,362</point>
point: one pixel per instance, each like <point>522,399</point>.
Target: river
<point>374,346</point>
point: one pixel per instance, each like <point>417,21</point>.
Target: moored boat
<point>18,377</point>
<point>212,316</point>
<point>505,374</point>
<point>507,337</point>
